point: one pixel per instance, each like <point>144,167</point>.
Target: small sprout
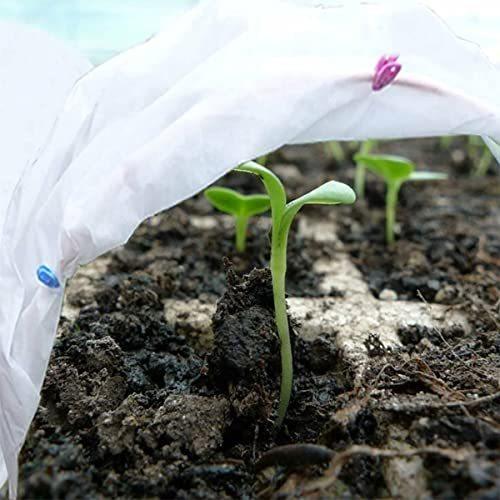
<point>480,155</point>
<point>334,149</point>
<point>283,213</point>
<point>359,179</point>
<point>263,160</point>
<point>446,141</point>
<point>484,163</point>
<point>240,206</point>
<point>395,170</point>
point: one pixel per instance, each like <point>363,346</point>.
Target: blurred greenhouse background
<point>99,28</point>
<point>102,28</point>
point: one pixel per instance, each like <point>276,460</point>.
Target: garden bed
<point>164,378</point>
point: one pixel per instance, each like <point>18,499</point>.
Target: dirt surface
<point>144,401</point>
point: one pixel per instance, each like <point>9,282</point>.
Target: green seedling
<point>446,141</point>
<point>240,206</point>
<point>359,178</point>
<point>477,151</point>
<point>480,155</point>
<point>263,160</point>
<point>395,171</point>
<point>484,163</point>
<point>283,213</point>
<point>334,149</point>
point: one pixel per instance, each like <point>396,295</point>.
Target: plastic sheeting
<point>230,81</point>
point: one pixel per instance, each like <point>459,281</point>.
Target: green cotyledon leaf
<point>390,168</point>
<point>330,193</point>
<point>231,202</point>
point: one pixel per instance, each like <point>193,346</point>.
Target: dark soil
<point>186,260</point>
<point>132,408</point>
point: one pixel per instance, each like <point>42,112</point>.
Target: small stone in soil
<point>388,295</point>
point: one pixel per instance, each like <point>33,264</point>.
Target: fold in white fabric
<point>228,82</point>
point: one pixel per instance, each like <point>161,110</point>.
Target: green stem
<point>359,180</point>
<point>360,175</point>
<point>278,271</point>
<point>335,150</point>
<point>484,163</point>
<point>241,232</point>
<point>391,200</point>
<point>279,241</point>
<point>262,160</point>
<point>445,141</point>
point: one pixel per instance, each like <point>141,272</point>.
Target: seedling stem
<point>395,171</point>
<point>360,174</point>
<point>391,200</point>
<point>282,214</point>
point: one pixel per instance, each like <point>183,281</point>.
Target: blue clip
<point>47,277</point>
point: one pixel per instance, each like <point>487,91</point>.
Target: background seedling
<point>359,179</point>
<point>480,155</point>
<point>395,171</point>
<point>283,213</point>
<point>240,206</point>
<point>477,150</point>
<point>446,141</point>
<point>334,149</point>
<point>263,160</point>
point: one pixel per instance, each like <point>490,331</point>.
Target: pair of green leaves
<point>330,193</point>
<point>240,206</point>
<point>394,170</point>
<point>231,202</point>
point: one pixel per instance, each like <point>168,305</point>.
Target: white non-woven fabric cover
<point>36,74</point>
<point>228,82</point>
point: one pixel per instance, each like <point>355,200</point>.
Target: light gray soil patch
<point>350,320</point>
